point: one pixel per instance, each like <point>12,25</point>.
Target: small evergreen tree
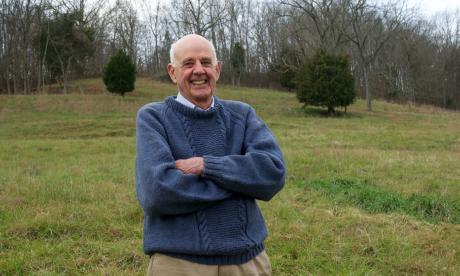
<point>326,80</point>
<point>119,74</point>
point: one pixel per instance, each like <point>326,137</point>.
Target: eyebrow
<point>193,59</point>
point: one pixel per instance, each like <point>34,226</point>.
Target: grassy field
<point>366,193</point>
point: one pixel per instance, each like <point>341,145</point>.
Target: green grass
<point>378,200</point>
<point>69,205</point>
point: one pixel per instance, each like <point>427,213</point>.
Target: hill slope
<point>69,206</point>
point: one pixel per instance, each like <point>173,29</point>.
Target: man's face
<point>195,70</point>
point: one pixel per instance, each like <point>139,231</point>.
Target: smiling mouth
<point>199,82</point>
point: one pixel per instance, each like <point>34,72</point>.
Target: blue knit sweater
<point>212,218</point>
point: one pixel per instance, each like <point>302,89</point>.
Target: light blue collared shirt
<point>188,103</point>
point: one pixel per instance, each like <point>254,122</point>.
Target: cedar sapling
<point>119,74</point>
<point>326,80</point>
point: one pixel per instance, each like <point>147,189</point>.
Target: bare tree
<point>447,41</point>
<point>153,17</point>
<point>198,16</point>
<point>125,26</point>
<point>322,20</point>
<point>17,18</point>
<point>371,27</point>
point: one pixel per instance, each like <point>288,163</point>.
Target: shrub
<point>119,74</point>
<point>326,80</point>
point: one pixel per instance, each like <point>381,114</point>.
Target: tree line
<point>395,53</point>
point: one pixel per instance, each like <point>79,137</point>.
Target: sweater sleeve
<point>161,188</point>
<point>258,172</point>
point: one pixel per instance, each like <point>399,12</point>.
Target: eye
<point>188,64</point>
<point>206,63</point>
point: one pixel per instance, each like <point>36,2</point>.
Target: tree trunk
<point>444,93</point>
<point>65,75</point>
<point>8,86</point>
<point>43,60</point>
<point>366,88</point>
<point>15,84</point>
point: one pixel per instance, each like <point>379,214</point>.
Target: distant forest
<point>395,53</point>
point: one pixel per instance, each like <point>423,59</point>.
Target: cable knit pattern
<point>203,228</point>
<point>188,132</point>
<point>213,218</point>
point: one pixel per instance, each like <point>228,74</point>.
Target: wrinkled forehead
<point>194,49</point>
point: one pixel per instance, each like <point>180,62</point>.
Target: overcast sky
<point>430,7</point>
<point>426,7</point>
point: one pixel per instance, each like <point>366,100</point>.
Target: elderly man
<point>201,163</point>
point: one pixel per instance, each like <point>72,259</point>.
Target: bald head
<point>191,41</point>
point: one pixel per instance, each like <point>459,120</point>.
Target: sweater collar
<point>192,112</point>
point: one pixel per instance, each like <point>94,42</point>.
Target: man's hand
<point>194,165</point>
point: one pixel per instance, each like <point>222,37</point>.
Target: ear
<point>171,72</point>
<point>218,69</point>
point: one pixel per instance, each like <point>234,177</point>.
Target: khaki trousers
<point>163,265</point>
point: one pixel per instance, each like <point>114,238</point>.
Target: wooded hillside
<point>396,54</point>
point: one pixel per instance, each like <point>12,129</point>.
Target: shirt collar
<point>188,103</point>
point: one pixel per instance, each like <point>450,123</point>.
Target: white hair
<point>172,52</point>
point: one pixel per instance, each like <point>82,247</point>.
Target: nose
<point>198,68</point>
